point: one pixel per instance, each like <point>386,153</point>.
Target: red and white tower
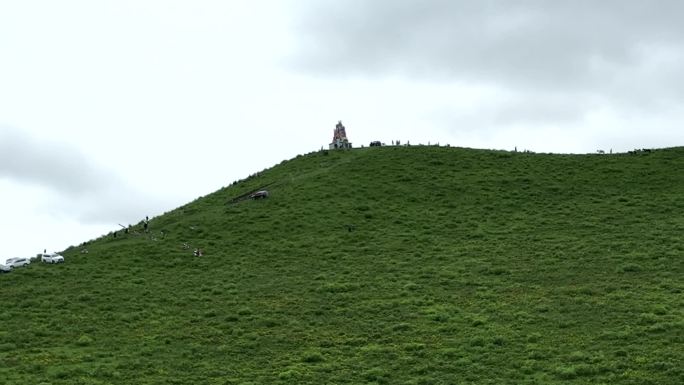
<point>340,137</point>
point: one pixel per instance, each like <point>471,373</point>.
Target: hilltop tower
<point>340,137</point>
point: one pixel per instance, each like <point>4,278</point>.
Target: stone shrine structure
<point>340,137</point>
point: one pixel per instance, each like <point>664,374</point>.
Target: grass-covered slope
<point>461,267</point>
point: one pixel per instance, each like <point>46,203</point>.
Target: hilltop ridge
<point>396,265</point>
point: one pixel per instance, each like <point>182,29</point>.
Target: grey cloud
<point>80,188</point>
<point>48,164</point>
<point>529,109</point>
<point>533,108</point>
<point>535,45</point>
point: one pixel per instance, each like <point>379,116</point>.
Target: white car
<point>5,268</point>
<point>52,258</point>
<point>18,262</point>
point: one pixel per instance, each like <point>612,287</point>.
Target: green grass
<point>462,267</point>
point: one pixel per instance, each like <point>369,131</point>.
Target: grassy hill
<point>393,265</point>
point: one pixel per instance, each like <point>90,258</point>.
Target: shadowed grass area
<point>393,265</point>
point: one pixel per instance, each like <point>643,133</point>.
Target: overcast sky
<point>114,110</point>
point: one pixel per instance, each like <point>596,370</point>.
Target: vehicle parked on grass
<point>18,262</point>
<point>52,258</point>
<point>259,194</point>
<point>5,268</point>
